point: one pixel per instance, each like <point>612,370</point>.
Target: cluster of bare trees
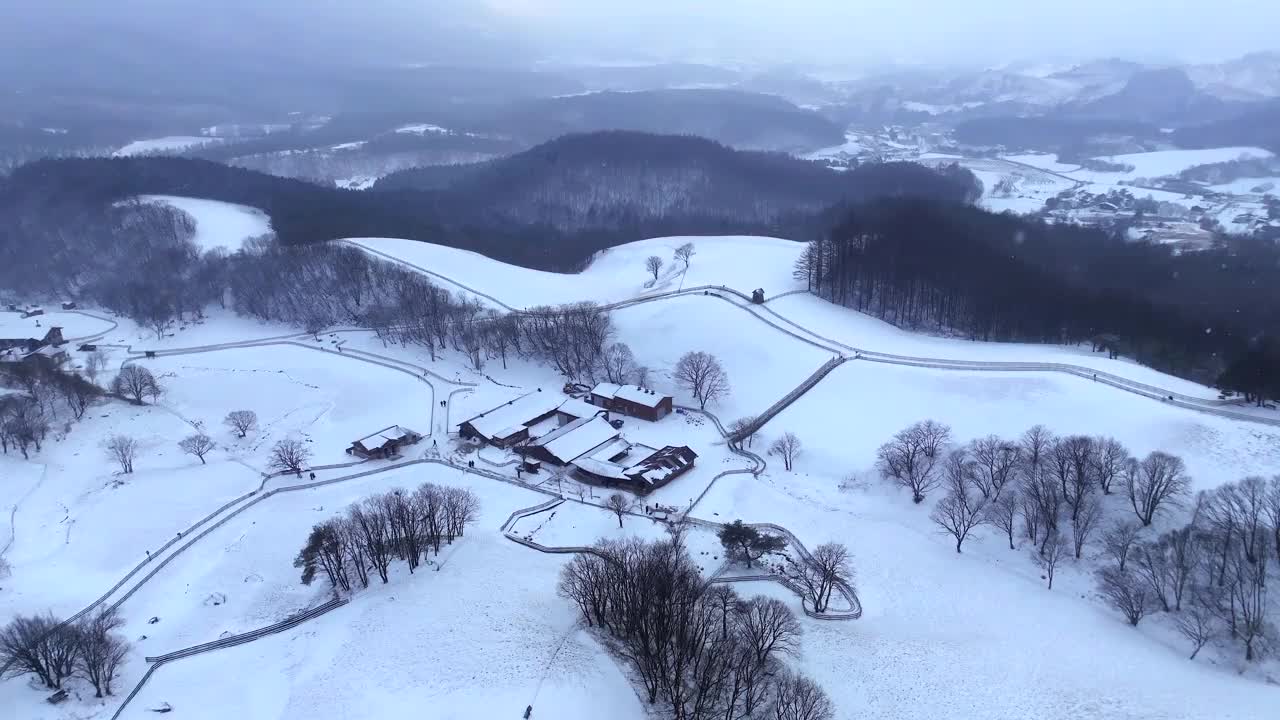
<point>702,375</point>
<point>697,648</point>
<point>1054,485</point>
<point>397,525</point>
<point>1210,575</point>
<point>55,651</point>
<point>46,396</point>
<point>788,447</point>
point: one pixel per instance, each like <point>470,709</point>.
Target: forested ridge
<point>546,214</point>
<point>949,268</point>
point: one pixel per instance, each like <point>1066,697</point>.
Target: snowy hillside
<point>219,225</point>
<point>479,630</point>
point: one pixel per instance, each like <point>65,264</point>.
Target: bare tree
<point>289,455</point>
<point>1125,592</point>
<point>911,458</point>
<point>995,464</point>
<point>135,382</point>
<point>1273,513</point>
<point>94,363</point>
<point>1003,513</point>
<point>654,265</point>
<point>619,363</point>
<point>743,429</point>
<point>684,252</point>
<point>1161,481</point>
<point>1110,459</point>
<point>618,504</point>
<point>39,645</point>
<point>961,509</point>
<point>1198,624</point>
<point>641,375</point>
<point>101,651</point>
<point>701,374</point>
<point>819,574</point>
<point>787,447</point>
<point>242,422</point>
<point>1084,521</point>
<point>198,445</point>
<point>1051,553</point>
<point>460,507</point>
<point>769,627</point>
<point>76,392</point>
<point>123,449</point>
<point>1119,539</point>
<point>799,698</point>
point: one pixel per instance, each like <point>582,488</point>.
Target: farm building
<point>383,444</point>
<point>46,350</point>
<point>572,440</point>
<point>636,467</point>
<point>631,400</point>
<point>510,423</point>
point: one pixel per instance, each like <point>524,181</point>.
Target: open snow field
<point>1163,163</point>
<point>615,274</point>
<point>218,224</point>
<point>75,326</point>
<point>481,633</point>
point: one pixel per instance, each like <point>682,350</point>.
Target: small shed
<point>32,312</point>
<point>68,305</point>
<point>383,444</point>
<point>757,296</point>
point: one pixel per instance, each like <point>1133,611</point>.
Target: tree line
<point>396,525</point>
<point>949,268</point>
<point>1065,494</point>
<point>698,649</point>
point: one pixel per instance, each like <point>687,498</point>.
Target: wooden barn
<point>383,444</point>
<point>631,400</point>
<point>573,440</point>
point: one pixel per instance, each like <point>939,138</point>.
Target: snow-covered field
<point>615,274</point>
<point>1163,163</point>
<point>163,145</point>
<point>481,632</point>
<point>74,325</point>
<point>218,224</point>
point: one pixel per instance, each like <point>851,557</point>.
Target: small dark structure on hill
<point>631,400</point>
<point>383,444</point>
<point>757,296</point>
<point>69,305</point>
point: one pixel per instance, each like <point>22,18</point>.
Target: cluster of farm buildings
<point>583,435</point>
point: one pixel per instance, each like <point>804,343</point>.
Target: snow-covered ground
<point>1163,163</point>
<point>421,129</point>
<point>218,224</point>
<point>74,325</point>
<point>162,145</point>
<point>615,274</point>
<point>480,632</point>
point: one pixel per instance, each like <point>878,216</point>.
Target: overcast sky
<point>926,31</point>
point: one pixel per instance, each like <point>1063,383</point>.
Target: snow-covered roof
<point>577,438</point>
<point>630,393</point>
<point>519,411</point>
<point>602,468</point>
<point>662,464</point>
<point>578,408</point>
<point>509,432</point>
<point>395,432</point>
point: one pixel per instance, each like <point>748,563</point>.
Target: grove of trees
<point>1065,495</point>
<point>697,649</point>
<point>396,525</point>
<point>55,651</point>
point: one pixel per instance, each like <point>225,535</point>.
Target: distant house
<point>68,305</point>
<point>636,467</point>
<point>46,350</point>
<point>631,400</point>
<point>32,312</point>
<point>383,444</point>
<point>573,440</point>
<point>510,423</point>
<point>757,296</point>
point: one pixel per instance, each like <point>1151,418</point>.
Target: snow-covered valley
<point>207,549</point>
